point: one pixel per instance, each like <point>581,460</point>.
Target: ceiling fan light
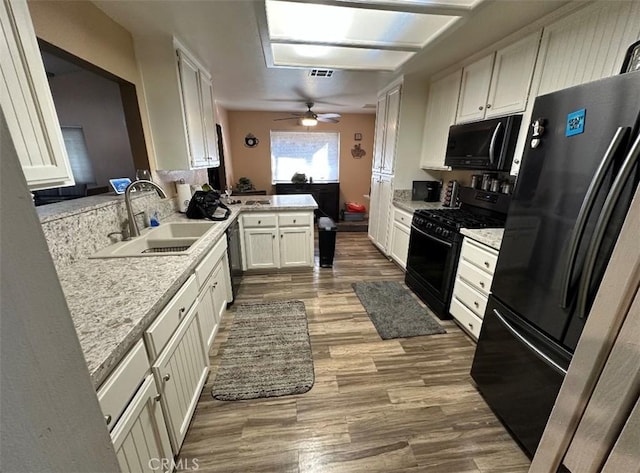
<point>308,121</point>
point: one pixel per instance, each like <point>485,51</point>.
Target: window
<point>315,154</point>
<point>78,153</point>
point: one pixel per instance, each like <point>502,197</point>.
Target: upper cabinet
<point>499,83</point>
<point>179,96</point>
<point>441,114</point>
<point>587,46</point>
<point>387,117</point>
<point>27,104</point>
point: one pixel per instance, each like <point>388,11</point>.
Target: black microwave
<point>488,144</point>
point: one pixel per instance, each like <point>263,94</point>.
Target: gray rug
<point>267,354</point>
<point>394,312</point>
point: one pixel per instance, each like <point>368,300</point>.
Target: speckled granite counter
<point>413,205</point>
<point>112,301</point>
<point>489,236</point>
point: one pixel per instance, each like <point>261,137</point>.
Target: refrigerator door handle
<point>536,351</point>
<point>492,145</point>
<point>598,234</point>
<point>587,204</point>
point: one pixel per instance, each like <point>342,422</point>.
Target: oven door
<point>431,266</point>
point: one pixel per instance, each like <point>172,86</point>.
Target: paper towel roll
<point>184,196</point>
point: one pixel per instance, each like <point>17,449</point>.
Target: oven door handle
<point>446,243</point>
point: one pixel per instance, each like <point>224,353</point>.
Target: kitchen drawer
<point>203,270</point>
<point>160,331</point>
<point>475,301</point>
<point>479,255</point>
<point>121,385</point>
<point>465,318</point>
<point>259,220</point>
<point>402,217</point>
<point>477,278</point>
<point>294,220</point>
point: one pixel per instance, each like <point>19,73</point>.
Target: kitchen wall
<point>88,100</point>
<point>255,163</point>
<point>83,30</point>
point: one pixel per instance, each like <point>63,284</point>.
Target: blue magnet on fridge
<point>575,123</point>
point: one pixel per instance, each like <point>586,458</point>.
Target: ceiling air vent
<point>321,73</point>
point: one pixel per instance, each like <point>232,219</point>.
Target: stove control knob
<point>439,231</point>
<point>446,233</point>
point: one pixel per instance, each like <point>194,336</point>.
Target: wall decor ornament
<point>250,141</point>
<point>357,152</point>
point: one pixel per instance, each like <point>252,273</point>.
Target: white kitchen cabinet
<point>441,114</point>
<point>391,130</point>
<point>400,233</point>
<point>499,83</point>
<point>198,109</point>
<point>180,372</point>
<point>387,120</point>
<point>472,285</point>
<point>586,46</point>
<point>27,103</point>
<point>140,438</point>
<point>261,248</point>
<point>214,282</point>
<point>380,210</point>
<point>277,240</point>
<point>378,147</point>
<point>294,246</point>
<point>180,103</point>
<point>474,90</point>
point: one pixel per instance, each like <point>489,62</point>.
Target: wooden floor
<point>404,405</point>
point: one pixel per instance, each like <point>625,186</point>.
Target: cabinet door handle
<point>486,263</point>
<point>167,377</point>
<point>157,397</point>
<point>482,284</point>
<point>476,304</point>
<point>281,235</point>
<point>107,419</point>
<point>517,161</point>
<point>471,326</point>
<point>215,284</point>
<point>294,220</point>
<point>273,237</point>
<point>181,311</point>
<point>259,222</point>
<point>480,107</point>
<point>488,105</point>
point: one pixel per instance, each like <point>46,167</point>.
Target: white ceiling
<point>227,36</point>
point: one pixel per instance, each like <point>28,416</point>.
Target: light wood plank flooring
<point>404,405</point>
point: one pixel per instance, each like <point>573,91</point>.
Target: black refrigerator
<point>578,175</point>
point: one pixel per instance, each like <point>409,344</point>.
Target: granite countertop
<point>113,300</point>
<point>413,205</point>
<point>489,236</point>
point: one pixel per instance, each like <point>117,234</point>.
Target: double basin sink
<point>169,239</point>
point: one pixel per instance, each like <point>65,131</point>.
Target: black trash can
<point>326,241</point>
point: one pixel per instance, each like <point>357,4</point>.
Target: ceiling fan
<point>310,118</point>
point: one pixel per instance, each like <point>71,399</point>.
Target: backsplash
<point>74,231</point>
<point>402,194</point>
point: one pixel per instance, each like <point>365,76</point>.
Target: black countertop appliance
<point>427,191</point>
<point>579,172</point>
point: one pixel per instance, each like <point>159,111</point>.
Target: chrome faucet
<point>142,183</point>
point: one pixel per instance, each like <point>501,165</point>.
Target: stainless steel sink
<point>169,239</point>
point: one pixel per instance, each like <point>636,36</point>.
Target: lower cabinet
<point>140,438</point>
<point>380,210</point>
<point>472,285</point>
<point>180,372</point>
<point>277,240</point>
<point>400,232</point>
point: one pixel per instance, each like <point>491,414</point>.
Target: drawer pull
<point>259,222</point>
<point>281,235</point>
<point>107,419</point>
<point>181,311</point>
<point>476,304</point>
<point>157,397</point>
<point>471,326</point>
<point>167,377</point>
<point>215,284</point>
<point>486,263</point>
<point>294,220</point>
<point>482,284</point>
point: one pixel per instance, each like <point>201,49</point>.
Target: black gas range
<point>435,242</point>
